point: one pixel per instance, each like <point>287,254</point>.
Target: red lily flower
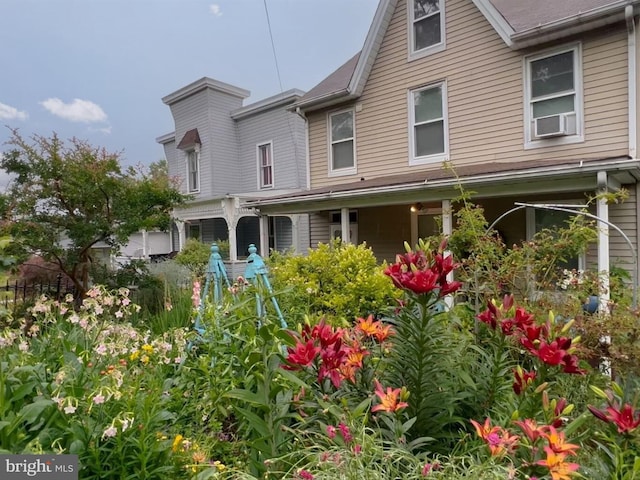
<point>522,380</point>
<point>624,418</point>
<point>301,355</point>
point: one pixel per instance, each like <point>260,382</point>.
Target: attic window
<point>190,140</point>
<point>426,27</point>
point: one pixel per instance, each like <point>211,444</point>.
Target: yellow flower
<point>144,359</point>
<point>219,465</point>
<point>147,348</point>
<point>134,355</point>
<point>176,443</point>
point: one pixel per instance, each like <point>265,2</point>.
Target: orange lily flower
<point>558,468</point>
<point>389,399</point>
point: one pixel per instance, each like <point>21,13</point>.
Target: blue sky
<point>97,69</point>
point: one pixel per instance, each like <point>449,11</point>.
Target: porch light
<point>416,207</point>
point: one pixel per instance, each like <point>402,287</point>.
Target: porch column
<point>233,240</point>
<point>603,254</point>
<point>264,235</point>
<point>344,221</point>
<point>447,229</point>
<point>182,236</point>
<point>295,236</point>
<point>145,243</point>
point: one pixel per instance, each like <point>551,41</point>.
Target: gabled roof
<point>520,24</point>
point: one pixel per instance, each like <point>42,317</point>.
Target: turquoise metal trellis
<point>215,276</point>
<point>256,272</point>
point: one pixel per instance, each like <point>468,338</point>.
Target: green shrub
<point>338,281</point>
<point>195,255</point>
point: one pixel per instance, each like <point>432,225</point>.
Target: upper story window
<point>342,155</point>
<point>553,98</point>
<point>428,131</point>
<point>193,171</point>
<point>426,27</point>
<point>265,165</point>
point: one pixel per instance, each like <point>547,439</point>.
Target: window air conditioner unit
<point>551,126</point>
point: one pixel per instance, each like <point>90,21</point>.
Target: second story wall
<point>209,112</point>
<point>485,89</point>
<point>284,132</point>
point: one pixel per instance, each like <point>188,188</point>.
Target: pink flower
<point>331,431</point>
<point>195,297</point>
<point>98,399</point>
<point>345,432</point>
<point>110,432</point>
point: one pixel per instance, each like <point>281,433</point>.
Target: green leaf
<point>245,396</point>
<point>254,422</point>
<point>31,412</point>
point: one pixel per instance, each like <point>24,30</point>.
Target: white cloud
<point>215,10</point>
<point>77,111</point>
<point>11,113</point>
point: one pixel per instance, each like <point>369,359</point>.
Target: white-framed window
<point>426,27</point>
<point>342,152</point>
<point>553,112</point>
<point>193,171</point>
<point>265,164</point>
<point>428,129</point>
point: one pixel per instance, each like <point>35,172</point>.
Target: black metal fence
<point>14,294</point>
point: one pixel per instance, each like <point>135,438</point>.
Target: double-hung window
<point>342,143</point>
<point>428,124</point>
<point>265,165</point>
<point>426,27</point>
<point>193,171</point>
<point>553,98</point>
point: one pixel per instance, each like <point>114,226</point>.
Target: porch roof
<point>487,180</point>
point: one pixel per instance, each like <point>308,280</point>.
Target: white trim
<point>201,84</point>
<point>632,81</point>
<point>336,172</point>
<point>166,138</point>
<point>195,151</point>
<point>274,101</point>
<point>497,21</point>
<point>529,141</point>
<point>262,186</point>
<point>430,50</point>
<point>438,157</point>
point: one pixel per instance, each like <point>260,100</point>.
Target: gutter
<point>580,168</point>
<point>597,17</point>
<point>324,100</point>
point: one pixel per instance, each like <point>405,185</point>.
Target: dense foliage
<point>66,198</point>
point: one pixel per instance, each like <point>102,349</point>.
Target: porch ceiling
<point>485,180</point>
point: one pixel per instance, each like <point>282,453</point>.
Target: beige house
<point>530,102</point>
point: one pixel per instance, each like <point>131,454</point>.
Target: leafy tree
<point>64,198</point>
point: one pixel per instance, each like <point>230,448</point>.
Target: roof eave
<point>268,103</point>
<point>323,101</point>
<point>582,22</point>
<point>201,84</point>
<point>166,138</point>
<point>488,178</point>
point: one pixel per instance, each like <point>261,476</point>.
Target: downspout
<point>632,79</point>
<point>306,145</point>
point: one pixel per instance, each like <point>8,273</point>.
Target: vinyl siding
<point>485,99</point>
<point>286,132</point>
<point>624,217</point>
<point>209,112</point>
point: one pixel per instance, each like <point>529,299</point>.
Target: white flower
<point>23,346</point>
<point>110,432</point>
<point>101,349</point>
<point>69,409</point>
<point>74,318</point>
<point>98,399</point>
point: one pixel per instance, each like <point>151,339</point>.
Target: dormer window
<point>427,27</point>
